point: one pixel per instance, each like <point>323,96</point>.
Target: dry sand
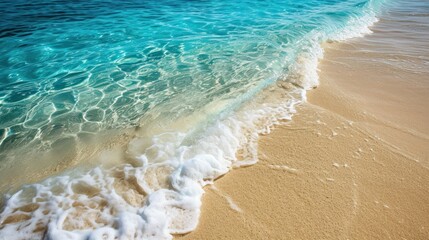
<point>352,164</point>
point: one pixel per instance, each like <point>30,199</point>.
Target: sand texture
<point>352,164</point>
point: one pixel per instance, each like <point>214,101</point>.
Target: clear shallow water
<point>183,67</point>
<point>73,68</point>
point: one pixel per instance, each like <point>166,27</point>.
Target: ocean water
<point>196,80</point>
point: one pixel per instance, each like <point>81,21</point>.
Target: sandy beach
<point>354,161</point>
<point>214,120</point>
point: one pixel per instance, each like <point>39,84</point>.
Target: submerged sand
<point>352,164</point>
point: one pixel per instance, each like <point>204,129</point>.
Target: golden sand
<point>352,164</point>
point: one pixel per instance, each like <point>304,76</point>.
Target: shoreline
<point>352,163</point>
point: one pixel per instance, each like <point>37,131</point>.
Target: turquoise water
<point>68,68</point>
<point>189,69</point>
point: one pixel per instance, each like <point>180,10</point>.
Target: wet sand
<point>35,165</point>
<point>354,161</point>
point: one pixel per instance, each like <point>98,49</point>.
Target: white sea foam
<point>303,71</point>
<point>154,198</point>
<point>160,193</point>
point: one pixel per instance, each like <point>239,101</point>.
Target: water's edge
<point>159,193</point>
